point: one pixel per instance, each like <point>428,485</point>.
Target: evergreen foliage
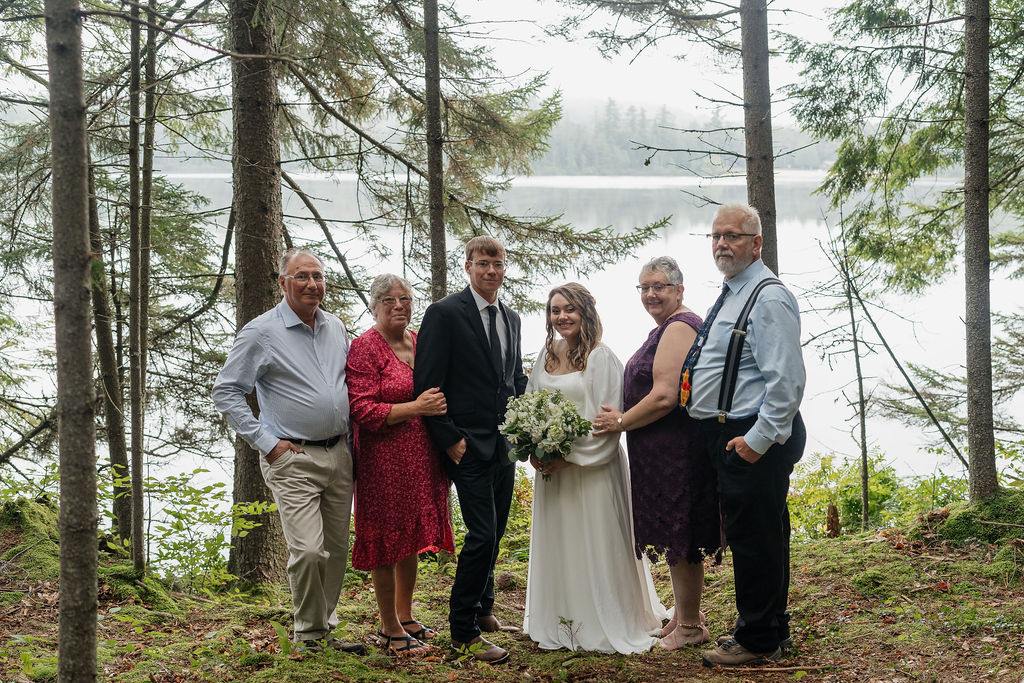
<point>888,90</point>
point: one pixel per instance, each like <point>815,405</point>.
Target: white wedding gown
<point>586,590</point>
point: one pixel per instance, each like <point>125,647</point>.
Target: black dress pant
<point>756,521</point>
<point>485,489</point>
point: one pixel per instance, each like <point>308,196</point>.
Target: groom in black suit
<point>469,346</point>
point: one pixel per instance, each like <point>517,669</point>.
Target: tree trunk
<point>146,203</point>
<point>865,517</point>
<point>260,555</point>
<point>757,123</point>
<point>135,373</point>
<point>113,399</point>
<point>980,436</point>
<point>435,170</point>
<point>76,656</point>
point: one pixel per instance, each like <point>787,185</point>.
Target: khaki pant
<point>313,492</point>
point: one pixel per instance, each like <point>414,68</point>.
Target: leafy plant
<point>189,532</point>
<point>282,638</point>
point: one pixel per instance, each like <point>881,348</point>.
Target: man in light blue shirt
<point>294,356</point>
<point>753,444</point>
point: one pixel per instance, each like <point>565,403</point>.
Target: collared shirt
<point>771,378</point>
<point>298,374</point>
<point>485,318</point>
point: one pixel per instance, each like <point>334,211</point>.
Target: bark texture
<point>113,398</point>
<point>136,302</point>
<point>435,165</point>
<point>71,298</point>
<point>757,123</point>
<point>983,481</point>
<point>260,555</point>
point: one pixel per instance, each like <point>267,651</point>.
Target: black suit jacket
<point>452,353</point>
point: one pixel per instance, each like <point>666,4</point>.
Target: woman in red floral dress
<point>401,494</point>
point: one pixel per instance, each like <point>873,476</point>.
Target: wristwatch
<point>619,422</point>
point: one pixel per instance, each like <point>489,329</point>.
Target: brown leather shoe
<point>489,623</point>
<point>481,650</point>
<point>786,645</point>
<point>731,653</point>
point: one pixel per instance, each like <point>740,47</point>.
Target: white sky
<point>515,31</point>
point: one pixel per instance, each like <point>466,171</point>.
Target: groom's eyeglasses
<point>487,265</point>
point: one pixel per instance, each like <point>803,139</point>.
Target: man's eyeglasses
<point>658,287</point>
<point>391,301</point>
<point>304,278</point>
<point>729,237</point>
<point>487,265</point>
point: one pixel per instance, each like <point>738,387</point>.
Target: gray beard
<point>730,267</point>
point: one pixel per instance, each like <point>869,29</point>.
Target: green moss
<point>128,585</point>
<point>1013,553</point>
<point>38,554</point>
<point>966,522</point>
<point>10,598</point>
<point>870,582</point>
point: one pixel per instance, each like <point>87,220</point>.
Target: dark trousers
<point>484,488</point>
<point>756,520</point>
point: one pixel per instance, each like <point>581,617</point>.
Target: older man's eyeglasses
<point>729,237</point>
<point>658,287</point>
<point>391,301</point>
<point>304,278</point>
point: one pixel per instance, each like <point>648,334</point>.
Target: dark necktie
<point>698,344</point>
<point>492,332</point>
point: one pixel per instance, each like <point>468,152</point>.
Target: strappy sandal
<point>424,632</point>
<point>411,648</point>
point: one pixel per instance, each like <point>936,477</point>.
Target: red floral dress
<point>401,493</point>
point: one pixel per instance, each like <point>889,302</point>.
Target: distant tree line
<point>613,140</point>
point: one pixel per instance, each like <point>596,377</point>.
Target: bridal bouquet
<point>542,424</point>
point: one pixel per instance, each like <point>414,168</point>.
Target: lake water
<point>926,330</point>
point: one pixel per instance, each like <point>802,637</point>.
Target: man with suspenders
<point>743,381</point>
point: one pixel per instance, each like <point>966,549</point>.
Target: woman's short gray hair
<point>667,266</point>
<point>383,283</point>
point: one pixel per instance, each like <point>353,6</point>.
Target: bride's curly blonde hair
<point>590,325</point>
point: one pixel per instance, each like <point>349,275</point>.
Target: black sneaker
<point>303,646</point>
<point>351,648</point>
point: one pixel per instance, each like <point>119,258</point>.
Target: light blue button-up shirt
<point>298,374</point>
<point>771,376</point>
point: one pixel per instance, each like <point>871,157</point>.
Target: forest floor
<point>874,607</point>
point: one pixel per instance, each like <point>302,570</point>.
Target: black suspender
<point>732,358</point>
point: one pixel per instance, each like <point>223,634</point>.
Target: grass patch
<point>880,606</point>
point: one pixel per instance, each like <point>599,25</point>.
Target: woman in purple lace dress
<point>675,502</point>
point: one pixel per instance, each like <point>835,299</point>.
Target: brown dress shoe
<point>489,623</point>
<point>481,650</point>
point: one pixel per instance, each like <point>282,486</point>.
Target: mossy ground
<point>876,607</point>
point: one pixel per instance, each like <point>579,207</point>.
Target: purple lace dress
<point>675,498</point>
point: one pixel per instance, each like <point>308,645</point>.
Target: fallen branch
<point>1016,526</point>
<point>782,668</point>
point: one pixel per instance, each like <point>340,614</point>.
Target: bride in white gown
<point>586,590</point>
